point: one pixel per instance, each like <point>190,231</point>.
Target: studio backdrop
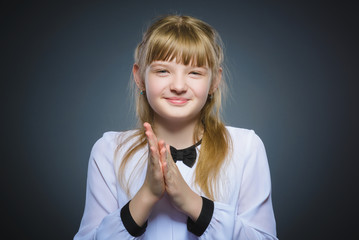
<point>292,77</point>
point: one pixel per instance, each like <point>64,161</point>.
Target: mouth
<point>177,100</point>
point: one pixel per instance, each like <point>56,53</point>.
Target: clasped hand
<point>163,176</point>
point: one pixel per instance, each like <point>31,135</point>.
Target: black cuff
<point>130,224</point>
<point>198,227</point>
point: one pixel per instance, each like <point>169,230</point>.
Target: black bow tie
<point>187,156</point>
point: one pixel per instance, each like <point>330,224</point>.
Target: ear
<point>216,81</point>
<point>137,77</point>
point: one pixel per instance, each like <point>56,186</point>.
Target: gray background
<point>65,69</point>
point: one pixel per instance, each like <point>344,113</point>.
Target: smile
<point>177,101</point>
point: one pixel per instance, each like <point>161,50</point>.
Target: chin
<point>179,118</point>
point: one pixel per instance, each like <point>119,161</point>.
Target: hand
<point>181,195</point>
<point>153,187</point>
<point>154,180</point>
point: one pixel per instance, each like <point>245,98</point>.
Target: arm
<point>153,187</point>
<point>254,214</point>
<point>182,196</point>
<point>199,210</point>
<point>103,218</point>
<point>102,214</point>
<point>251,216</point>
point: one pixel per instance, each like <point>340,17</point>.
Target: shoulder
<point>104,149</point>
<point>110,141</point>
<point>102,158</point>
<point>105,143</point>
<point>245,142</point>
<point>243,136</point>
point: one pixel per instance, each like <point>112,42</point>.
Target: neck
<point>176,134</point>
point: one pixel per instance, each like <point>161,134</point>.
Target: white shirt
<point>244,211</point>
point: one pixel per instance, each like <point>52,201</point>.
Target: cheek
<point>153,88</point>
<point>202,90</point>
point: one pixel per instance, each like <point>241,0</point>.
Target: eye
<point>195,73</point>
<point>162,71</point>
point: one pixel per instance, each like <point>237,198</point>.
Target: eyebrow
<point>158,64</point>
<point>165,64</point>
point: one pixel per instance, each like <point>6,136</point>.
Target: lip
<point>177,100</point>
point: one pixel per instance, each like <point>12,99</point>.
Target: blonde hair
<point>189,41</point>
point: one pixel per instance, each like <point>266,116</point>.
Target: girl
<point>182,174</point>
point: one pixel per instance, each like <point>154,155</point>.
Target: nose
<point>178,84</point>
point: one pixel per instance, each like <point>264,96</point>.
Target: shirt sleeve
<point>252,217</point>
<point>102,214</point>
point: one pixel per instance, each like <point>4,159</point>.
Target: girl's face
<point>176,91</point>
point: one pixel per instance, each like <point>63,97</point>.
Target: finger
<point>162,149</point>
<point>155,155</point>
<point>169,158</point>
<point>151,137</point>
<point>148,128</point>
<point>163,159</point>
<point>151,144</point>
